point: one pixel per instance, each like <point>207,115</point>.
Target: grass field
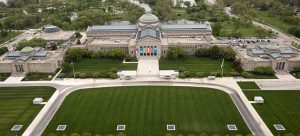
<point>248,85</point>
<point>196,64</point>
<point>247,31</point>
<point>280,107</point>
<point>147,110</point>
<point>101,65</point>
<point>275,21</point>
<point>16,107</point>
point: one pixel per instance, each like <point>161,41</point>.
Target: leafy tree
<point>238,8</point>
<point>294,31</point>
<point>118,53</point>
<point>36,42</point>
<point>176,52</point>
<point>216,29</point>
<point>3,50</point>
<point>228,53</point>
<point>202,52</point>
<point>214,52</point>
<point>163,9</point>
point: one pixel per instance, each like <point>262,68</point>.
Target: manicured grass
<point>147,110</point>
<point>10,35</point>
<point>247,31</point>
<point>38,76</point>
<point>280,107</point>
<point>4,76</point>
<point>275,21</point>
<point>16,107</point>
<point>248,85</point>
<point>101,65</point>
<point>196,64</point>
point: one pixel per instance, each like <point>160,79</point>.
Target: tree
<point>118,53</point>
<point>216,29</point>
<point>176,52</point>
<point>163,9</point>
<point>228,53</point>
<point>36,42</point>
<point>214,52</point>
<point>78,35</point>
<point>202,52</point>
<point>238,8</point>
<point>294,31</point>
<point>3,50</point>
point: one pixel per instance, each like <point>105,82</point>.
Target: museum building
<point>148,37</point>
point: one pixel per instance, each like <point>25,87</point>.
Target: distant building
<point>278,57</point>
<point>54,33</point>
<point>148,37</point>
<point>30,60</point>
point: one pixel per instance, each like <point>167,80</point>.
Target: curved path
<point>252,119</point>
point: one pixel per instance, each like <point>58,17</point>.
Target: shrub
<point>200,74</point>
<point>76,74</point>
<point>61,75</point>
<point>75,134</point>
<point>247,74</point>
<point>181,69</point>
<point>234,73</point>
<point>181,75</point>
<point>86,134</point>
<point>83,75</point>
<point>264,71</point>
<point>202,52</point>
<point>113,70</point>
<point>96,75</point>
<point>114,76</point>
<point>186,73</point>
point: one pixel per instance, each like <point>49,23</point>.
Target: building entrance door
<point>147,50</point>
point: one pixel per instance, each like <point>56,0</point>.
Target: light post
<point>73,69</point>
<point>222,66</point>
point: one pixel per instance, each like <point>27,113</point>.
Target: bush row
<point>112,73</point>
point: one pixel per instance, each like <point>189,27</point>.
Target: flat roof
<point>185,27</point>
<point>99,28</point>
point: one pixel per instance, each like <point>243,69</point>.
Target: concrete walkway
<point>148,67</point>
<point>284,75</point>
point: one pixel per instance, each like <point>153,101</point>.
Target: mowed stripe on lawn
<point>147,110</point>
<point>16,106</point>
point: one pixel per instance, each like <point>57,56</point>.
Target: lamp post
<point>222,66</point>
<point>73,69</point>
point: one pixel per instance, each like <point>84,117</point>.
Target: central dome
<point>148,18</point>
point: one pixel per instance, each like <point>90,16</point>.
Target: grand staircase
<point>148,66</point>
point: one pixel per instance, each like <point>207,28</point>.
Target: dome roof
<point>148,18</point>
<point>27,50</point>
<point>51,29</point>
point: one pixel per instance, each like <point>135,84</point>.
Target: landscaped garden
<point>146,111</point>
<point>16,107</point>
<point>279,107</point>
<point>38,76</point>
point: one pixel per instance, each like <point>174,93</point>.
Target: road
<point>27,35</point>
<point>280,35</point>
<point>64,88</point>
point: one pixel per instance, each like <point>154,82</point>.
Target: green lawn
<point>246,31</point>
<point>275,21</point>
<point>147,110</point>
<point>4,76</point>
<point>248,85</point>
<point>16,107</point>
<point>280,107</point>
<point>101,65</point>
<point>10,35</point>
<point>196,64</point>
